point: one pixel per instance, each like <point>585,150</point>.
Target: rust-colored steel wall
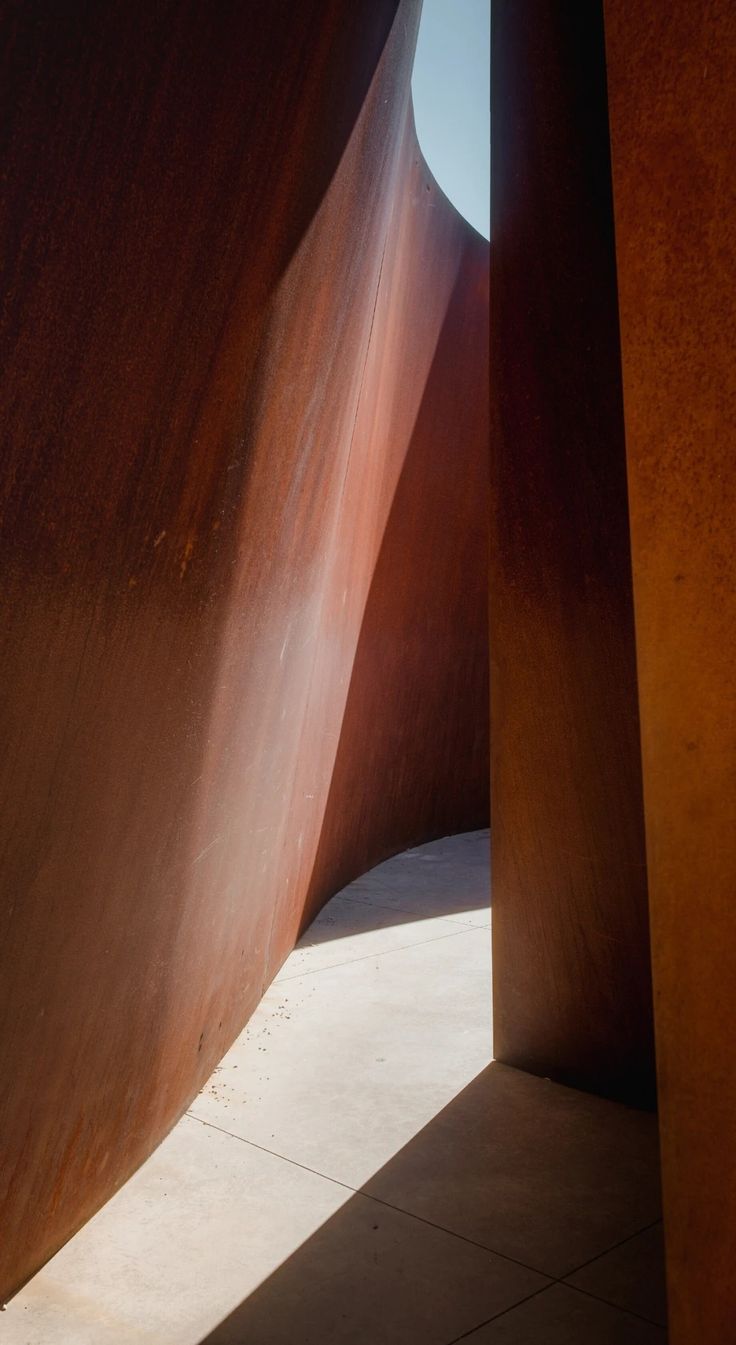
<point>673,126</point>
<point>243,547</point>
<point>572,995</point>
<point>429,591</point>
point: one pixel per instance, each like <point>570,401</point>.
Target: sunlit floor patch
<point>430,892</point>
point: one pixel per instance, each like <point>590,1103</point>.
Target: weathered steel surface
<point>243,407</point>
<point>572,994</point>
<point>428,593</point>
<point>673,125</point>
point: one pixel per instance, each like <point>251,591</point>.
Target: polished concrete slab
<point>358,1172</point>
<point>451,874</point>
<point>541,1173</point>
<point>560,1316</point>
<point>631,1276</point>
<point>344,1065</point>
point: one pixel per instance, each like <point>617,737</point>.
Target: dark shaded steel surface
<point>243,550</point>
<point>572,996</point>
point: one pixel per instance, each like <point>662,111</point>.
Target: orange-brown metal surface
<point>244,415</point>
<point>673,123</point>
<point>572,994</point>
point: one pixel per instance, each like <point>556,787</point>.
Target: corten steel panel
<point>428,592</point>
<point>232,468</point>
<point>572,996</point>
<point>673,127</point>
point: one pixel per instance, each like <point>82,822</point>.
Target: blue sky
<point>451,90</point>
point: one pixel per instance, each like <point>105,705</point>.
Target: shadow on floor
<point>517,1184</point>
<point>446,879</point>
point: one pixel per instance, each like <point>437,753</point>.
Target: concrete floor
<point>357,1172</point>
